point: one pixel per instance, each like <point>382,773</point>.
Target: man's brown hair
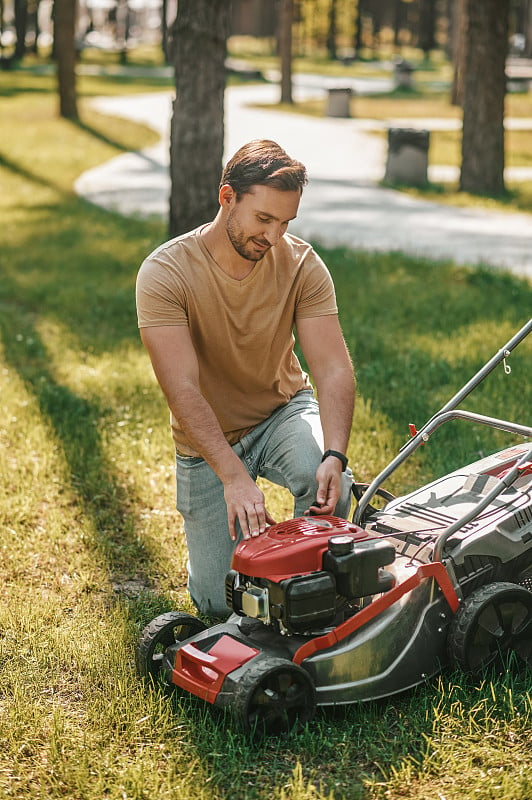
<point>263,162</point>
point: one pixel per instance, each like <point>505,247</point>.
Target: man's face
<point>259,219</point>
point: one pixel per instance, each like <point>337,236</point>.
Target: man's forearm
<point>336,398</point>
<point>244,499</point>
<point>202,429</point>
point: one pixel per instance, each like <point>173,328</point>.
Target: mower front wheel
<point>163,631</point>
<point>274,697</point>
<point>493,621</point>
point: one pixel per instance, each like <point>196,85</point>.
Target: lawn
<point>92,547</point>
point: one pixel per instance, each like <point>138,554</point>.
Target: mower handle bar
<point>447,413</point>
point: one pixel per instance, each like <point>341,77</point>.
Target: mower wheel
<point>273,697</point>
<point>493,621</point>
<point>163,631</point>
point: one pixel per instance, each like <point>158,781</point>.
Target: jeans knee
<point>304,482</point>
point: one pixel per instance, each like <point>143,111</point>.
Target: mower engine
<point>308,574</point>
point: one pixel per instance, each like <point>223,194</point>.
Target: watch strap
<point>338,455</point>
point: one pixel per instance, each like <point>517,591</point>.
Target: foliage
<point>92,547</point>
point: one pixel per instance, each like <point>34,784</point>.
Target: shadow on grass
<point>101,137</point>
<point>74,421</point>
<point>23,172</point>
<point>57,271</point>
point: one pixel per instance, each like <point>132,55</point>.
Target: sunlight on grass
<point>462,753</point>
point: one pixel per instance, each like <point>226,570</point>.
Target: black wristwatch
<point>338,455</point>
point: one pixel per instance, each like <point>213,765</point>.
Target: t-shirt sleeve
<point>316,296</point>
<point>161,299</point>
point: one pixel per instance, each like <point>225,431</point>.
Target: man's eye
<point>263,219</point>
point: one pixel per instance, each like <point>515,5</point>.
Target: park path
<point>343,205</point>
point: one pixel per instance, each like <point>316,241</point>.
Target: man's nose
<point>273,234</point>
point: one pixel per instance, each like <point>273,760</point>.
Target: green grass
<point>92,547</point>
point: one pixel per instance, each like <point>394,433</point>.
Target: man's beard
<point>243,245</point>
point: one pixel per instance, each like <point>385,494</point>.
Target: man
<point>216,308</point>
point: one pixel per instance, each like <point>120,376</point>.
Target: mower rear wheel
<point>493,621</point>
<point>163,631</point>
<point>273,697</point>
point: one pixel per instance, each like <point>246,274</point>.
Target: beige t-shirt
<point>242,330</point>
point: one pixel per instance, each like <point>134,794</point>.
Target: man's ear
<point>226,195</point>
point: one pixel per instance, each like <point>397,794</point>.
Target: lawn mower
<point>328,611</point>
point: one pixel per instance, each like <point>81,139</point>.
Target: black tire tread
<point>153,633</point>
<point>250,681</point>
<point>459,629</point>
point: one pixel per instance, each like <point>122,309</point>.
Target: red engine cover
<point>294,547</point>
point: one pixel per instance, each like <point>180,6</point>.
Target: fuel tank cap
<point>341,544</point>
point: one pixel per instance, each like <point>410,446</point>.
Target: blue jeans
<point>286,449</point>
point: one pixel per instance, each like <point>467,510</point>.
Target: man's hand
<point>245,503</point>
<point>329,477</point>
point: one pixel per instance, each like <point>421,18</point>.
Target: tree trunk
<point>484,90</point>
<point>199,43</point>
<point>331,30</point>
<point>285,49</point>
<point>528,31</point>
<point>65,51</point>
<point>376,27</point>
<point>164,31</point>
<point>35,19</point>
<point>449,16</point>
<point>122,29</point>
<point>459,33</point>
<point>427,26</point>
<point>398,21</point>
<point>21,26</point>
<point>357,39</point>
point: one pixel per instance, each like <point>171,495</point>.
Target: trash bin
<point>518,83</point>
<point>407,160</point>
<point>338,101</point>
<point>403,74</point>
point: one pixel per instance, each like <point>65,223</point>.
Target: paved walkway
<point>343,204</point>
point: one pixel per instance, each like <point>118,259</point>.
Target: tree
<point>198,44</point>
<point>332,30</point>
<point>357,38</point>
<point>21,25</point>
<point>528,30</point>
<point>285,49</point>
<point>458,35</point>
<point>427,26</point>
<point>164,31</point>
<point>122,28</point>
<point>398,21</point>
<point>482,169</point>
<point>65,53</point>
